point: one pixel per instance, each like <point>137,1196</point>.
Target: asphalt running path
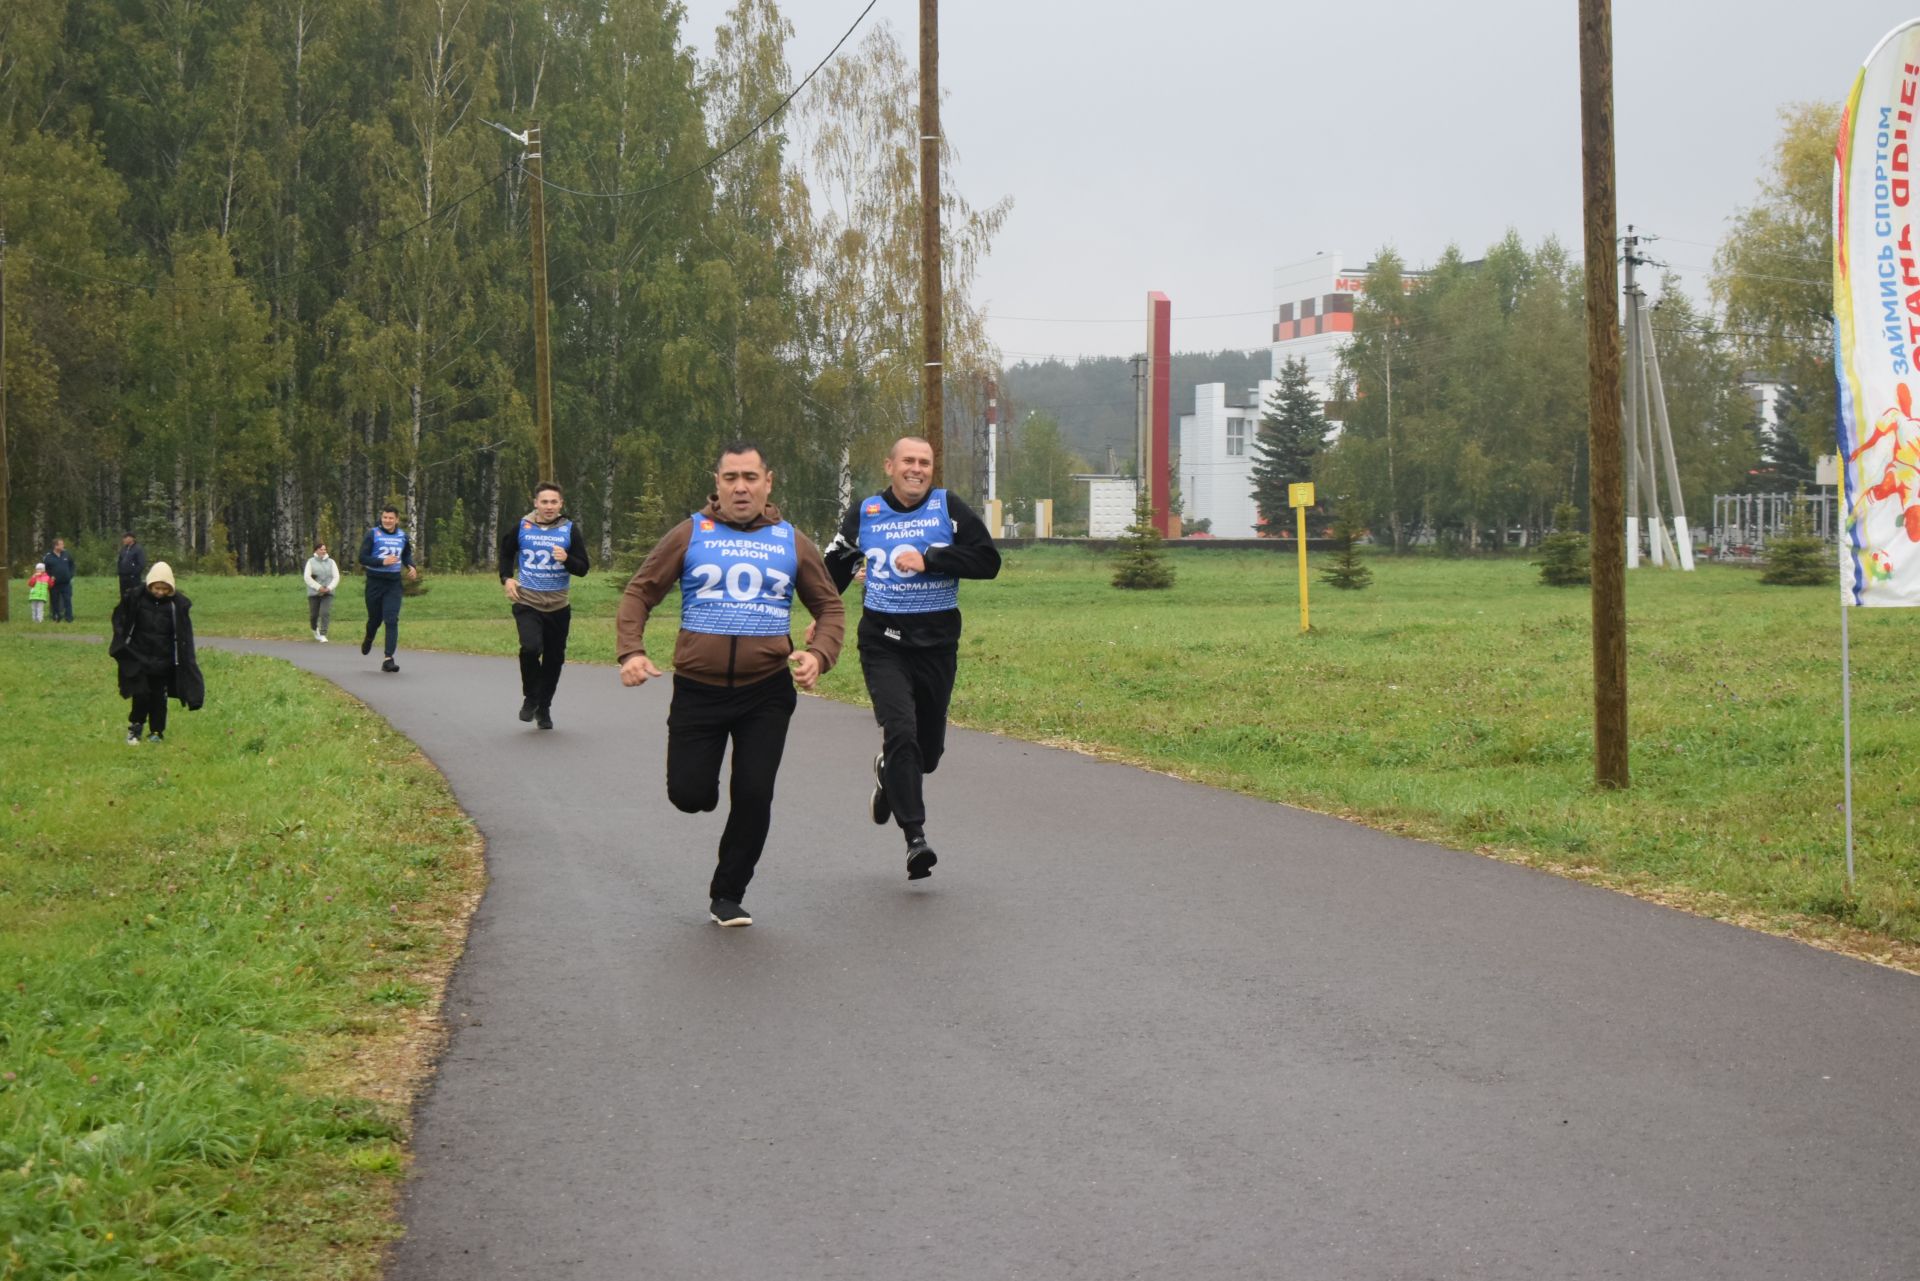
<point>1132,1027</point>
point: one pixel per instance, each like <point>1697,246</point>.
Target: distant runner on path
<point>738,566</point>
<point>916,544</point>
<point>385,553</point>
<point>538,558</point>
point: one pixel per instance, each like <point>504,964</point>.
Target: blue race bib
<point>538,570</point>
<point>737,582</point>
<point>884,534</point>
<point>385,544</point>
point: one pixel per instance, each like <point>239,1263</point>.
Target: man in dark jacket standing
<point>539,559</point>
<point>738,567</point>
<point>916,543</point>
<point>132,565</point>
<point>60,570</point>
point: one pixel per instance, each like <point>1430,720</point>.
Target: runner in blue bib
<point>540,556</point>
<point>738,567</point>
<point>913,544</point>
<point>386,553</point>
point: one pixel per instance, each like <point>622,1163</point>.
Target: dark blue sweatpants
<point>383,606</point>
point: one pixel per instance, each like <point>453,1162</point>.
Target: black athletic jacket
<point>972,555</point>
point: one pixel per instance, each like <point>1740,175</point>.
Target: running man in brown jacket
<point>738,567</point>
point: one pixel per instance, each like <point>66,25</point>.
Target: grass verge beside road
<point>1451,701</point>
<point>219,967</point>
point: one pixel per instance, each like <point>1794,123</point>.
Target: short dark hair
<point>389,508</point>
<point>545,485</point>
<point>322,543</point>
<point>741,447</point>
<point>130,534</point>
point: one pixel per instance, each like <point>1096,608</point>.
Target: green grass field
<point>219,960</point>
<point>218,957</point>
<point>1452,700</point>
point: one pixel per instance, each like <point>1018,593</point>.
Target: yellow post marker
<point>1300,497</point>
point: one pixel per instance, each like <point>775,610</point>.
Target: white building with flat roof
<point>1313,302</point>
<point>1216,458</point>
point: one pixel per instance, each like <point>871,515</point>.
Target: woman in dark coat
<point>153,644</point>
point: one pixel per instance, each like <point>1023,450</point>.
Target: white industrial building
<point>1313,322</point>
<point>1216,458</point>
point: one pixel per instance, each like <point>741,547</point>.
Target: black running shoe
<point>389,666</point>
<point>920,859</point>
<point>545,719</point>
<point>527,708</point>
<point>728,912</point>
<point>366,644</point>
<point>877,803</point>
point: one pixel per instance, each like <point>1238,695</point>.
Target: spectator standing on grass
<point>38,590</point>
<point>322,576</point>
<point>738,567</point>
<point>915,543</point>
<point>60,566</point>
<point>132,563</point>
<point>153,646</point>
<point>386,553</point>
<point>539,558</point>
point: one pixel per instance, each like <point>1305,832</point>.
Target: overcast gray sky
<point>1193,146</point>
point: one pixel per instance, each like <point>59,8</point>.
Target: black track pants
<point>150,705</point>
<point>910,689</point>
<point>543,650</point>
<point>699,724</point>
<point>383,606</point>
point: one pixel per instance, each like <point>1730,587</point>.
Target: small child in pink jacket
<point>38,589</point>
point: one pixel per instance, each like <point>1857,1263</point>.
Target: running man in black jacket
<point>540,556</point>
<point>915,543</point>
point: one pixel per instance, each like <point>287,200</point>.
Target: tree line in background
<point>268,268</point>
<point>1462,401</point>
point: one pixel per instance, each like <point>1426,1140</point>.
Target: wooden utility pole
<point>1604,443</point>
<point>933,407</point>
<point>6,556</point>
<point>542,356</point>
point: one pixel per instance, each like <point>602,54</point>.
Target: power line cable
<point>731,147</point>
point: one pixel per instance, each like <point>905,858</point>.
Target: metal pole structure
<point>932,313</point>
<point>993,442</point>
<point>1649,458</point>
<point>1603,397</point>
<point>1644,454</point>
<point>1630,433</point>
<point>542,353</point>
<point>1657,400</point>
<point>6,479</point>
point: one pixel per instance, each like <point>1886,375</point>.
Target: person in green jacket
<point>39,591</point>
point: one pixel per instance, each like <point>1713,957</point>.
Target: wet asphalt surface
<point>1131,1027</point>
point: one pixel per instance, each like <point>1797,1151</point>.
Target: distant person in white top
<point>323,579</point>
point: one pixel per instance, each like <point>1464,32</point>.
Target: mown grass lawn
<point>219,966</point>
<point>1452,700</point>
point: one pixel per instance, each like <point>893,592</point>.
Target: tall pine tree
<point>1293,430</point>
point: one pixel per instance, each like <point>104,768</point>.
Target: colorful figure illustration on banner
<point>1888,507</point>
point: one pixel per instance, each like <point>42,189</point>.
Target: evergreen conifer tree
<point>1347,572</point>
<point>1800,558</point>
<point>648,522</point>
<point>1564,554</point>
<point>1293,430</point>
<point>1142,564</point>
